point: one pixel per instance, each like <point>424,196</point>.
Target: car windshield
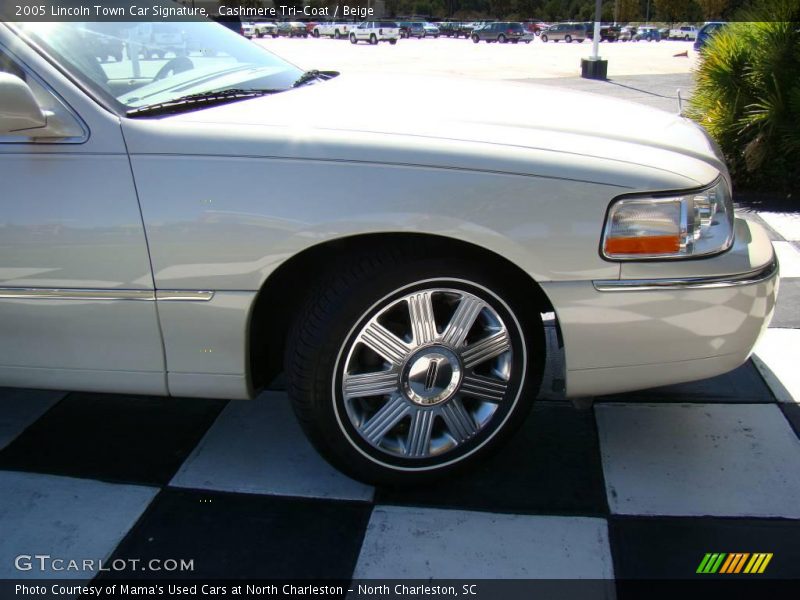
<point>131,65</point>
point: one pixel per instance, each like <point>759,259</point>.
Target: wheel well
<point>285,290</point>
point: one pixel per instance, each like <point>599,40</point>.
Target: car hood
<point>423,112</point>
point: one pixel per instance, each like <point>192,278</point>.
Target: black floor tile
<point>552,465</point>
<point>135,439</point>
<point>787,311</point>
<point>742,385</point>
<point>792,414</point>
<point>673,548</point>
<point>233,536</point>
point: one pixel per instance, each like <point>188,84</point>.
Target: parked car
<point>647,33</point>
<point>663,32</point>
<point>248,30</point>
<point>431,30</point>
<point>292,29</point>
<point>332,30</point>
<point>106,47</point>
<point>375,31</point>
<point>566,32</point>
<point>626,34</point>
<point>608,33</point>
<point>412,29</point>
<point>448,28</point>
<point>535,27</point>
<point>706,32</point>
<point>684,32</point>
<point>466,29</point>
<point>157,40</point>
<point>265,28</point>
<point>404,308</point>
<point>501,32</point>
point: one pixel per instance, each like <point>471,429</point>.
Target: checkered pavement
<point>640,486</point>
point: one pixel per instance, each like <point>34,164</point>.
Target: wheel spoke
<point>419,434</point>
<point>484,388</point>
<point>458,421</point>
<point>485,349</point>
<point>384,342</point>
<point>385,419</point>
<point>370,384</point>
<point>462,320</point>
<point>423,322</point>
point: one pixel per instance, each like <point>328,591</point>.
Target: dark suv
<point>409,29</point>
<point>608,33</point>
<point>502,32</point>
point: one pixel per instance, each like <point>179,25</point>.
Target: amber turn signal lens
<point>655,244</point>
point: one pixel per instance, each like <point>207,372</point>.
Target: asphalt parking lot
<point>463,58</point>
<point>642,485</point>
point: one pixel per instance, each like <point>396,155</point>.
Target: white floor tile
<point>70,519</point>
<point>20,408</point>
<point>786,224</point>
<point>419,543</point>
<point>258,447</point>
<point>699,459</point>
<point>788,258</point>
<point>777,357</point>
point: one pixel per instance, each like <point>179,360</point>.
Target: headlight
<point>680,225</point>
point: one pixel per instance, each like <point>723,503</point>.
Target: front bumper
<point>667,323</point>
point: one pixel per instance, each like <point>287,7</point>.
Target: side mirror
<point>19,111</point>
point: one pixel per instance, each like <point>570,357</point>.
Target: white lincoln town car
<point>396,265</point>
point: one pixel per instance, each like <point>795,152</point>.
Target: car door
<point>77,307</point>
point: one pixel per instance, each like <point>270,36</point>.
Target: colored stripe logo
<point>734,563</point>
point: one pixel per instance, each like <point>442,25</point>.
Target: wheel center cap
<point>431,376</point>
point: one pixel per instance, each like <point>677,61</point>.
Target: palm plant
<point>748,95</point>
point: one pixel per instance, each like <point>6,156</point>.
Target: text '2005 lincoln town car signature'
<point>196,224</point>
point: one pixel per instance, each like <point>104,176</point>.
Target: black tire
<point>502,39</point>
<point>392,42</point>
<point>544,38</point>
<point>336,35</point>
<point>476,39</point>
<point>568,39</point>
<point>331,320</point>
<point>373,39</point>
<point>353,39</point>
<point>315,33</point>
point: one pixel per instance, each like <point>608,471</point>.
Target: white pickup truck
<point>687,32</point>
<point>333,30</point>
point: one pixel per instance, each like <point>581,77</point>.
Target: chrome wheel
<point>428,373</point>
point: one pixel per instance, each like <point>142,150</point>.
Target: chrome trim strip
<point>104,294</point>
<point>74,294</point>
<point>688,283</point>
<point>185,295</point>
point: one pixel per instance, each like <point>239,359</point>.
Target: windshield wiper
<point>194,101</point>
<point>314,75</point>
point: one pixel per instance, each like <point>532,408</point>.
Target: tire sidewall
<point>354,454</point>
